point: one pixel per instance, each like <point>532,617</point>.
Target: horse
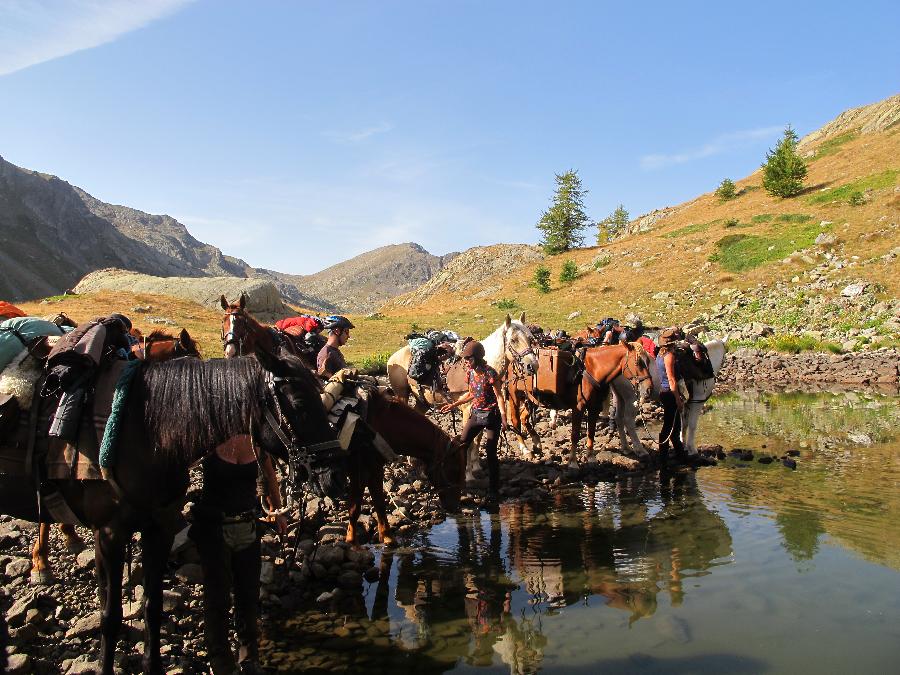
<point>406,430</point>
<point>243,334</point>
<point>156,347</point>
<point>624,368</point>
<point>409,433</point>
<point>177,412</point>
<point>700,391</point>
<point>512,342</point>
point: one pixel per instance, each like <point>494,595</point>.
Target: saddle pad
<point>457,378</point>
<point>19,377</point>
<point>81,460</point>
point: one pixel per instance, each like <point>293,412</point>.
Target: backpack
<point>689,368</point>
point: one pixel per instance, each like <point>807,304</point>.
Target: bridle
<point>518,356</point>
<point>230,337</point>
<point>298,455</point>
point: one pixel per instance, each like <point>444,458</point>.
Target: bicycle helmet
<point>337,322</point>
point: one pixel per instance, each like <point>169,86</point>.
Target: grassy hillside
<point>753,258</point>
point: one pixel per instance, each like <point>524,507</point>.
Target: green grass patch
<point>832,145</point>
<point>790,344</point>
<point>793,218</point>
<point>762,218</point>
<point>875,181</point>
<point>693,228</point>
<point>506,303</point>
<point>740,252</point>
<point>56,298</point>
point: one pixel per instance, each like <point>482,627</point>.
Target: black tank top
<point>229,488</point>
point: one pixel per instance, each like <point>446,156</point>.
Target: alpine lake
<point>739,568</point>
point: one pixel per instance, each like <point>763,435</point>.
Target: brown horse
<point>412,434</point>
<point>624,368</point>
<point>244,335</point>
<point>157,347</point>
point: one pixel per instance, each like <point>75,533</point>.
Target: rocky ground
<point>748,366</point>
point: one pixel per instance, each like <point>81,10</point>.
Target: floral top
<point>481,383</point>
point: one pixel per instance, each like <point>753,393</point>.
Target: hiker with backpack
<point>486,414</point>
<point>670,396</point>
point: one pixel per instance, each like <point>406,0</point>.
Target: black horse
<point>176,413</point>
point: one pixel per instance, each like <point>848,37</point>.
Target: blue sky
<point>297,134</point>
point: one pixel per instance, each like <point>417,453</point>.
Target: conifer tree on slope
<point>784,170</point>
<point>563,222</point>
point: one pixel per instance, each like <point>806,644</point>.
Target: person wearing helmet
<point>486,414</point>
<point>330,359</point>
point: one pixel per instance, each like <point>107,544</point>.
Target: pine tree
<point>726,190</point>
<point>563,222</point>
<point>613,225</point>
<point>784,170</point>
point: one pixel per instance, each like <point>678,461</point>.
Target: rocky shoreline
<point>747,366</point>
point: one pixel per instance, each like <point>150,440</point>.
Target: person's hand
<point>679,400</point>
<point>447,407</point>
<point>281,524</point>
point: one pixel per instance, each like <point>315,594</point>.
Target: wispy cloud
<point>35,31</point>
<point>716,146</point>
<point>359,135</point>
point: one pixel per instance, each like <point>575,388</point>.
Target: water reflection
<point>651,573</point>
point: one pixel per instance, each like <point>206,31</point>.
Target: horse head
<point>237,328</point>
<point>638,369</point>
<point>160,346</point>
<point>519,344</point>
<point>447,472</point>
<point>296,424</point>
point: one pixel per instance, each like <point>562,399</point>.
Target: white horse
<point>700,391</point>
<point>512,341</point>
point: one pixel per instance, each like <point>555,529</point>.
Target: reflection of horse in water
<point>617,548</point>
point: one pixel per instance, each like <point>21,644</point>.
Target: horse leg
<point>536,448</point>
<point>625,418</point>
<point>109,556</point>
<point>576,434</point>
<point>554,418</point>
<point>592,415</point>
<point>74,543</point>
<point>355,497</point>
<point>41,574</point>
<point>156,542</point>
<point>376,491</point>
<point>690,415</point>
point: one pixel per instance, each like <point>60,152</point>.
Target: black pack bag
<point>688,366</point>
<point>9,415</point>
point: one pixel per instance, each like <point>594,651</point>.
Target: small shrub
<point>415,328</point>
<point>375,364</point>
<point>726,190</point>
<point>569,272</point>
<point>505,303</point>
<point>732,222</point>
<point>541,279</point>
<point>601,261</point>
<point>856,199</point>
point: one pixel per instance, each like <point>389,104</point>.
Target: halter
<point>518,366</point>
<point>230,337</point>
<point>298,455</point>
<point>634,378</point>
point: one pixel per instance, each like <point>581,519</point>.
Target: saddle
<point>346,396</point>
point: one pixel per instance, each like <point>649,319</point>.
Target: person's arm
<point>462,400</point>
<point>273,496</point>
<point>669,361</point>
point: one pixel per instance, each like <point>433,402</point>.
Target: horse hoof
<point>75,546</point>
<point>41,578</point>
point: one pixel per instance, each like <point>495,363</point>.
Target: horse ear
<point>243,301</point>
<point>223,302</point>
<point>184,336</point>
<point>522,317</point>
<point>508,321</point>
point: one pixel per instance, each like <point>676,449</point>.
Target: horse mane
<point>192,406</point>
<point>159,335</point>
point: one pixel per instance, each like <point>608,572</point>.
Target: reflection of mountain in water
<point>848,467</point>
